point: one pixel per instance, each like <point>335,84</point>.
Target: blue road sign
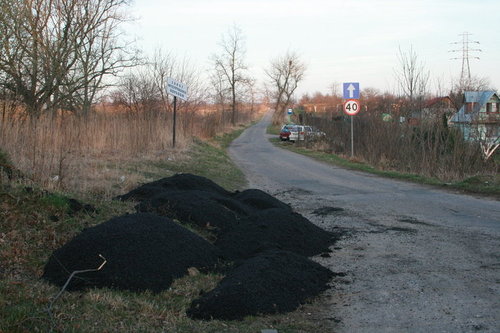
<point>351,90</point>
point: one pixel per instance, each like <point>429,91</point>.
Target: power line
<point>467,53</point>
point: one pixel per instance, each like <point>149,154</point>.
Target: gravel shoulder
<point>415,259</point>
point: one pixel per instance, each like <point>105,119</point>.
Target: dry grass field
<point>106,152</point>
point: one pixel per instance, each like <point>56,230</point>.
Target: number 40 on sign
<point>351,107</point>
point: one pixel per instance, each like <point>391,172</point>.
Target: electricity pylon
<point>467,53</point>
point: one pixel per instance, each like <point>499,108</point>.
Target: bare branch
<point>230,74</point>
<point>285,73</point>
<point>51,304</point>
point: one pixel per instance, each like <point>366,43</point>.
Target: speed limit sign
<point>351,107</point>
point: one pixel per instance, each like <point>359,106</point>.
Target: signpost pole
<point>352,136</point>
<point>175,120</point>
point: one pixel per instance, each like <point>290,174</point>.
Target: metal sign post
<point>177,89</point>
<point>352,136</point>
<point>351,108</point>
<point>175,121</point>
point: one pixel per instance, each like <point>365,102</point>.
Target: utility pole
<point>467,53</point>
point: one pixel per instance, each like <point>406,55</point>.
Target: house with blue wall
<point>479,116</point>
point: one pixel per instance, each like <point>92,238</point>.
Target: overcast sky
<point>339,40</point>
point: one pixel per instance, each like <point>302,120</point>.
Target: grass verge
<point>34,222</point>
<point>209,159</point>
<point>485,185</point>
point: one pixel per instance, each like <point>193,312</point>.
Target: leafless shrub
<point>430,149</point>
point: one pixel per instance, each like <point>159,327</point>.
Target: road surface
<point>416,258</point>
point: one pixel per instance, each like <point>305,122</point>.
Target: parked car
<point>302,132</point>
<point>285,132</point>
<point>297,133</point>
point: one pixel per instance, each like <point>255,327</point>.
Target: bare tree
<point>220,90</point>
<point>412,77</point>
<point>459,86</point>
<point>335,89</point>
<point>57,51</point>
<point>100,52</point>
<point>164,65</point>
<point>285,74</point>
<point>144,87</point>
<point>230,71</point>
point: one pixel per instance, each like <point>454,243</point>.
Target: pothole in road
<point>412,220</point>
<point>400,229</point>
<point>327,210</point>
<point>294,191</point>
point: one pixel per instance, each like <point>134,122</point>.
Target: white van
<point>299,132</point>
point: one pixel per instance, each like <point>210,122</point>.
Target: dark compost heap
<point>273,228</point>
<point>181,181</point>
<point>202,209</point>
<point>143,252</point>
<point>148,250</point>
<point>271,282</point>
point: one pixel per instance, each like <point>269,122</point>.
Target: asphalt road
<point>416,258</point>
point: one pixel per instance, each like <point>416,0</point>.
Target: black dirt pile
<point>205,210</point>
<point>148,250</point>
<point>143,252</point>
<point>272,282</point>
<point>200,202</point>
<point>181,181</point>
<point>274,229</point>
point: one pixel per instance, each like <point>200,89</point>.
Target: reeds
<point>87,154</point>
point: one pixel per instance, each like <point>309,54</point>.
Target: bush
<point>429,149</point>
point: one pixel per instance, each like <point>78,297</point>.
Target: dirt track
<point>416,259</point>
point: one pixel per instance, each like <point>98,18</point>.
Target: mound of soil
<point>181,181</point>
<point>148,250</point>
<point>143,252</point>
<point>203,209</point>
<point>272,282</point>
<point>274,229</point>
<point>200,202</point>
<point>258,199</point>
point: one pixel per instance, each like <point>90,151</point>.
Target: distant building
<point>479,117</point>
<point>439,108</point>
<point>433,110</point>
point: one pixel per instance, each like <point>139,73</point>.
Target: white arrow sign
<point>351,89</point>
